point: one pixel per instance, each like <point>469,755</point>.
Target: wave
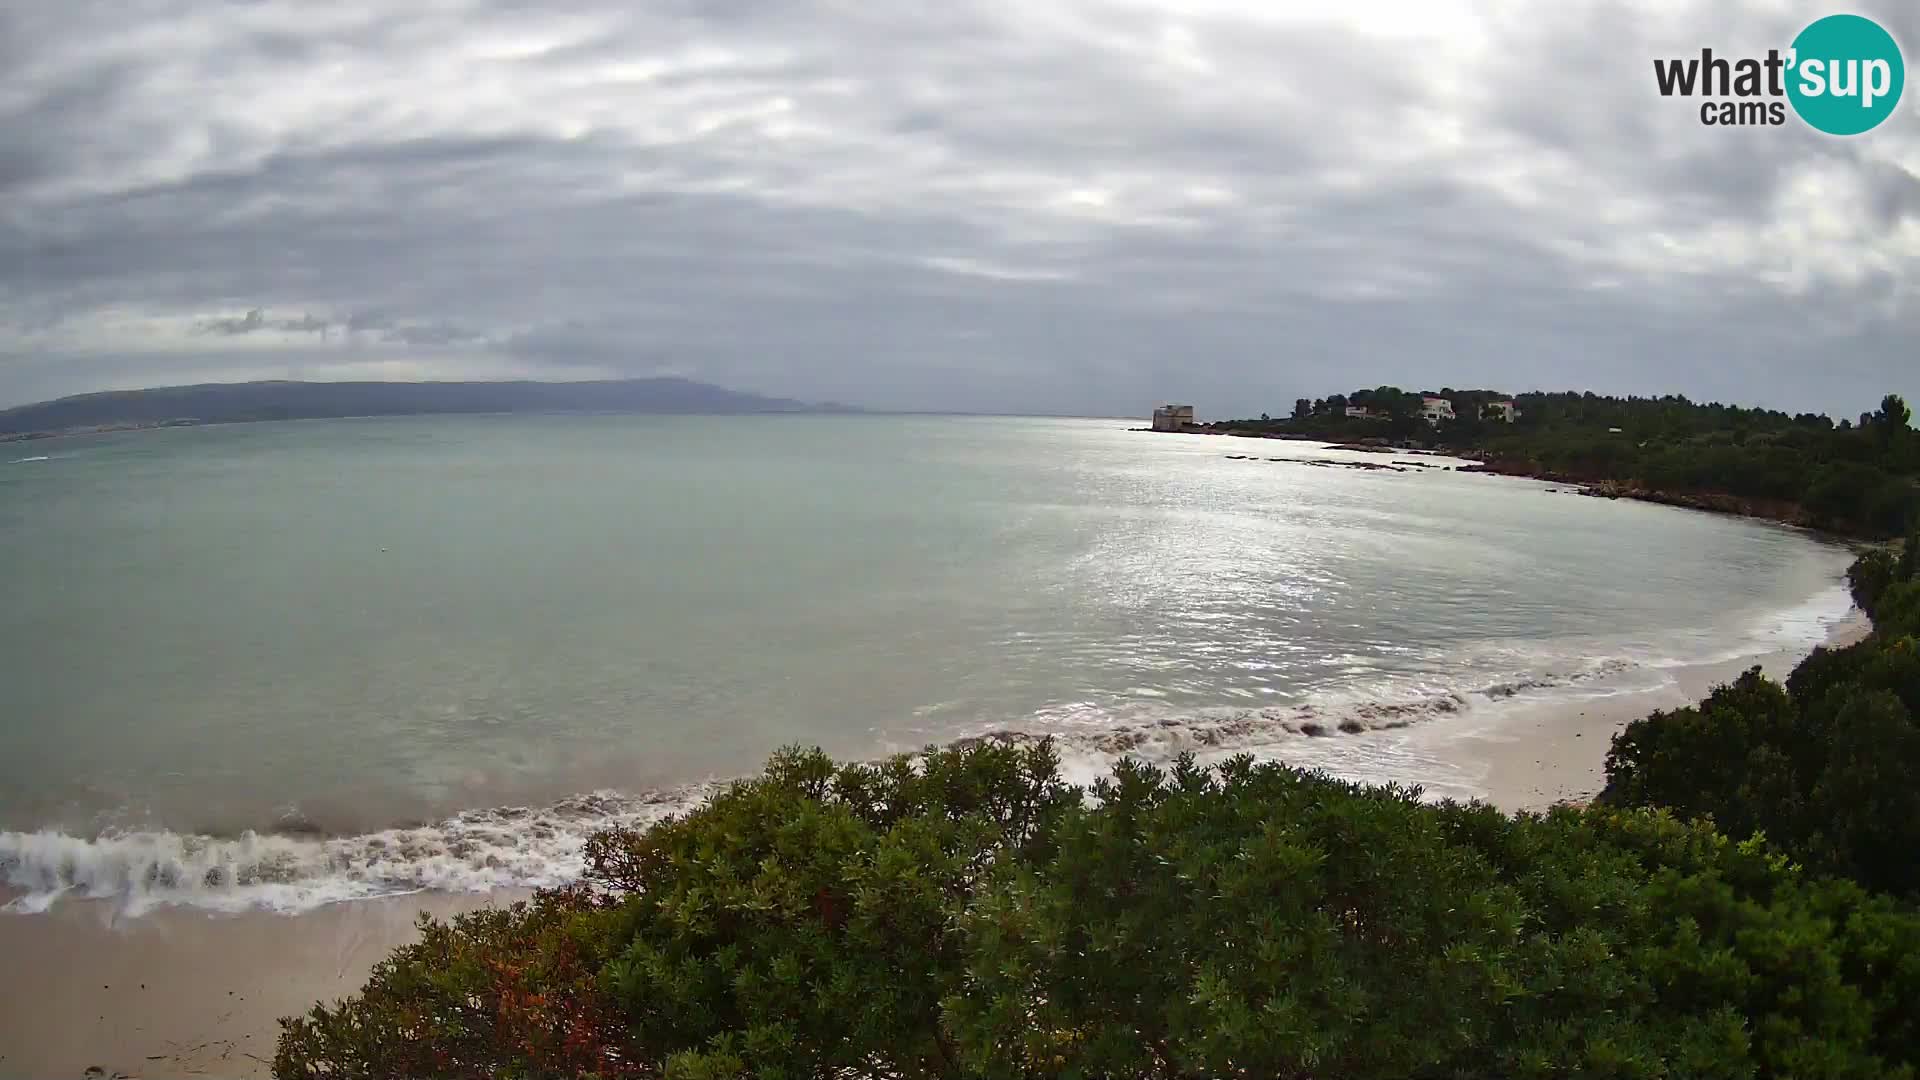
<point>1794,629</point>
<point>23,460</point>
<point>473,851</point>
<point>1806,624</point>
<point>1092,737</point>
<point>294,870</point>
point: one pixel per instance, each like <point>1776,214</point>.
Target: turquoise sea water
<point>233,658</point>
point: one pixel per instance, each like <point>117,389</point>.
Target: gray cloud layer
<point>1046,205</point>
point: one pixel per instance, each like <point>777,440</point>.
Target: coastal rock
<point>1325,464</point>
<point>1781,510</point>
<point>1328,463</point>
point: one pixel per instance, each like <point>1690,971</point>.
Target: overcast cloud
<point>1079,206</point>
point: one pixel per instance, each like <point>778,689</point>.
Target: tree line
<point>1854,476</point>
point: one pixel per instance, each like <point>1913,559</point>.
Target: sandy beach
<point>1539,757</point>
<point>179,992</point>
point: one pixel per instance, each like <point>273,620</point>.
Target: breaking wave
<point>1805,624</point>
<point>297,868</point>
<point>1091,738</point>
<point>473,851</point>
<point>293,870</point>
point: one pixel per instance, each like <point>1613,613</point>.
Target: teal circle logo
<point>1845,74</point>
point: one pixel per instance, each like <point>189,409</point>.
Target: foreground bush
<point>973,916</point>
<point>802,924</point>
<point>1825,767</point>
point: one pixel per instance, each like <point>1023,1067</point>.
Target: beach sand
<point>179,992</point>
<point>1539,757</point>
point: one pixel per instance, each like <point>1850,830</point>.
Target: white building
<point>1435,409</point>
<point>1173,418</point>
<point>1502,410</point>
<point>1361,412</point>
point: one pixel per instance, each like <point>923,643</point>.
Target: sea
<point>279,665</point>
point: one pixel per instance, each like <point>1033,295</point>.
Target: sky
<point>1033,206</point>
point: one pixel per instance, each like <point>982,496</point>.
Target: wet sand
<point>179,992</point>
<point>1539,757</point>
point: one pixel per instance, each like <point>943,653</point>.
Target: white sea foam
<point>518,847</point>
<point>1091,738</point>
<point>1805,624</point>
<point>23,460</point>
<point>474,851</point>
<point>1797,628</point>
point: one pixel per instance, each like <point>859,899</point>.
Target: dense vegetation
<point>968,914</point>
<point>1826,766</point>
<point>1854,477</point>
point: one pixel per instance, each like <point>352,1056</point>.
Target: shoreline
<point>185,991</point>
<point>1536,758</point>
<point>1777,511</point>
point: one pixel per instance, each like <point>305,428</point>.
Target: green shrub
<point>802,922</point>
<point>510,992</point>
<point>1870,575</point>
<point>1725,758</point>
<point>1824,768</point>
<point>975,917</point>
<point>1864,810</point>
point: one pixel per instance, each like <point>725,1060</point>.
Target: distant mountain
<point>230,403</point>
